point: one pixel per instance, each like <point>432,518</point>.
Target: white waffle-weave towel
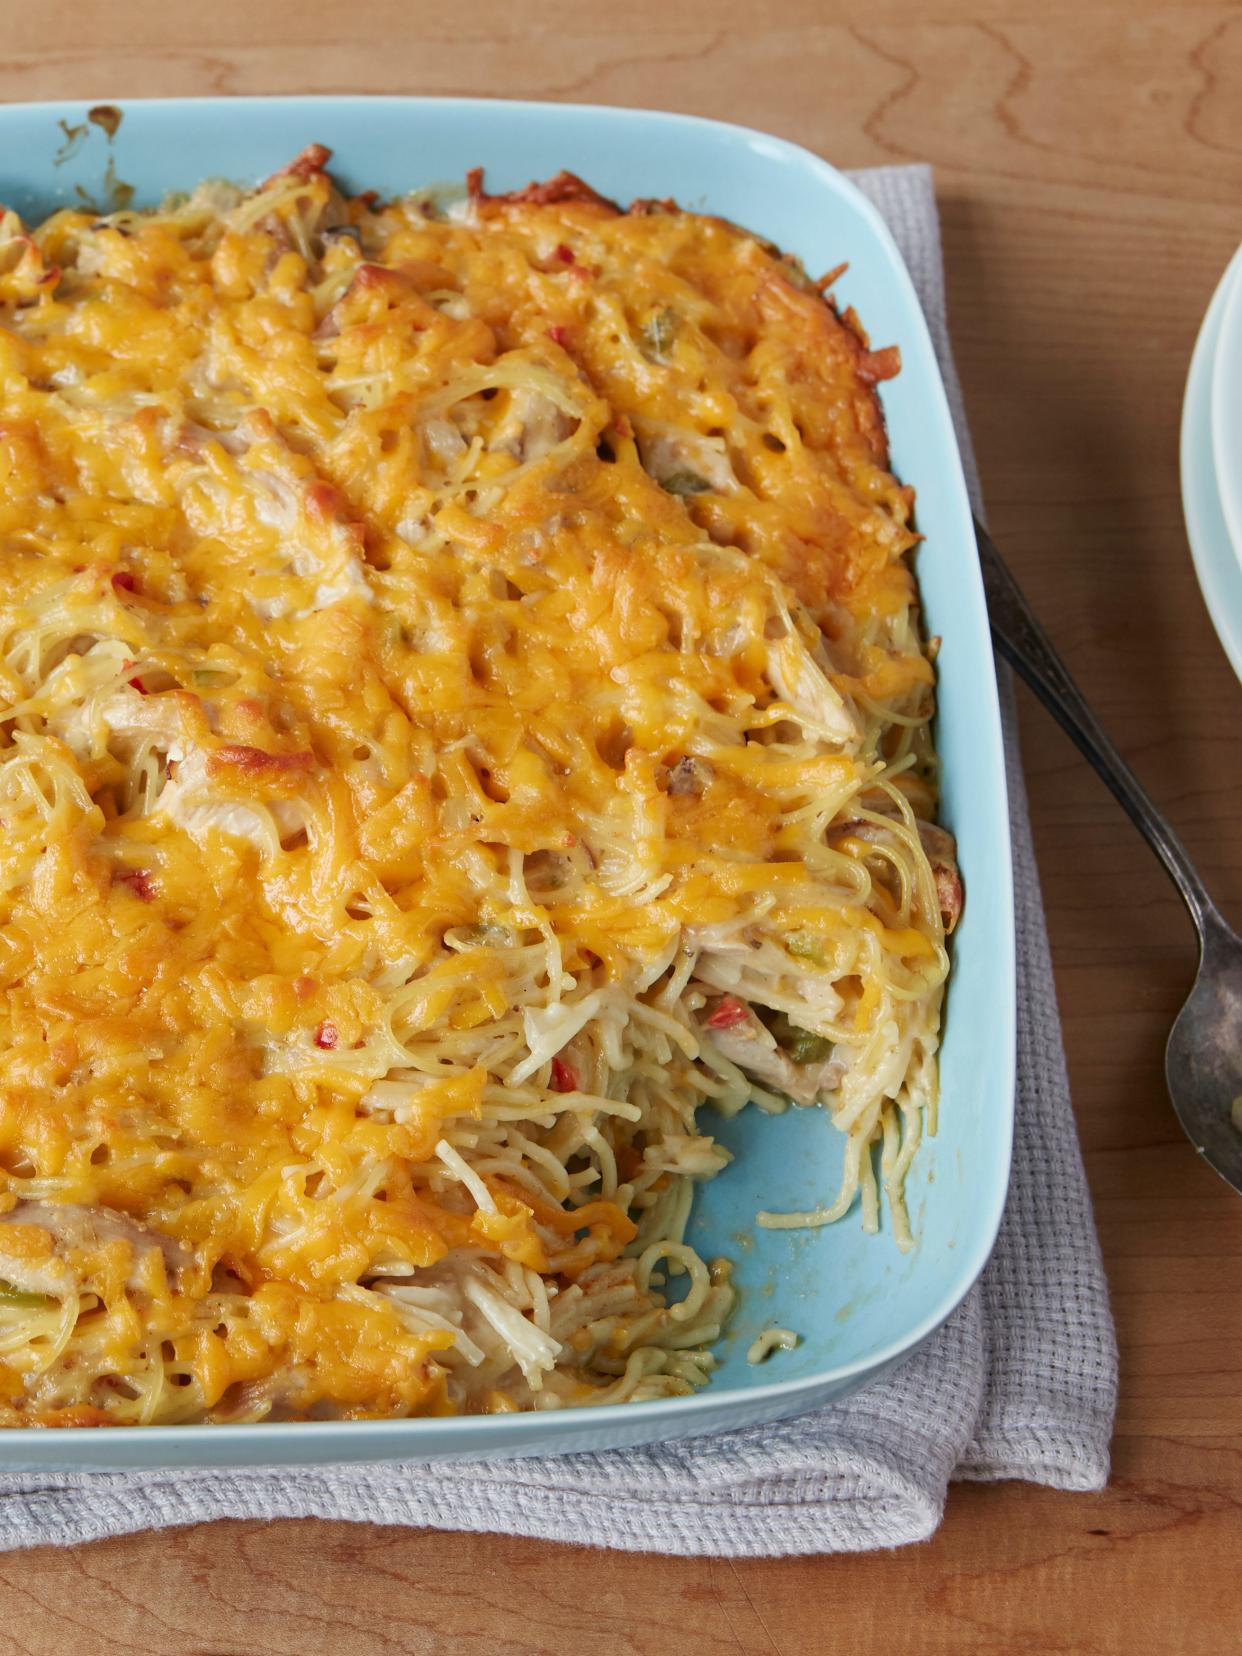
<point>1020,1383</point>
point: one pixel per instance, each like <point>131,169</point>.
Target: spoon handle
<point>1026,646</point>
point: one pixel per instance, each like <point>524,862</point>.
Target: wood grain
<point>1089,167</point>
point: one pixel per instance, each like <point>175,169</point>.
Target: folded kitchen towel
<point>1020,1383</point>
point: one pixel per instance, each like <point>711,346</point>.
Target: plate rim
<point>1226,403</point>
<point>1217,566</point>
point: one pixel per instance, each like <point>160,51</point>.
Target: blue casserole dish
<point>859,1305</point>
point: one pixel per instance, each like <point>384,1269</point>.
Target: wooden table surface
<point>1088,156</point>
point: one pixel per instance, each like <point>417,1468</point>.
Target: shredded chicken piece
<point>690,776</point>
<point>668,457</point>
<point>801,682</point>
<point>318,537</point>
<point>533,424</point>
<point>129,719</point>
<point>444,442</point>
<point>753,1048</point>
<point>941,849</point>
<point>73,1226</point>
<point>198,802</point>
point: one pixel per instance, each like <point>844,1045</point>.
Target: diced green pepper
<point>659,331</point>
<point>18,1296</point>
<point>808,1048</point>
<point>800,1046</point>
<point>806,945</point>
<point>685,483</point>
<point>485,935</point>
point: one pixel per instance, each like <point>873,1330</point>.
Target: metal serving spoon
<point>1203,1060</point>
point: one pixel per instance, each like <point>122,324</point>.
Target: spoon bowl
<point>1203,1060</point>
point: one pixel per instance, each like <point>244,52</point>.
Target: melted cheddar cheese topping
<point>450,660</point>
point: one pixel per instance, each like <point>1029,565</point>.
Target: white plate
<point>1227,404</point>
<point>1217,565</point>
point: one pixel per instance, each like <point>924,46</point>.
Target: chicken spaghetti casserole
<point>463,712</point>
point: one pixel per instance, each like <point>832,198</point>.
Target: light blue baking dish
<point>859,1305</point>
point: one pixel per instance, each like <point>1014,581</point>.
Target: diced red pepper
<point>565,254</point>
<point>729,1013</point>
<point>557,334</point>
<point>123,581</point>
<point>563,1078</point>
<point>135,682</point>
<point>139,882</point>
<point>327,1035</point>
